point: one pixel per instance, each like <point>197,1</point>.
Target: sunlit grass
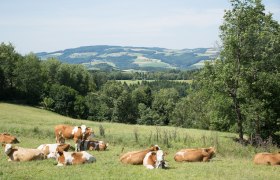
<point>34,126</point>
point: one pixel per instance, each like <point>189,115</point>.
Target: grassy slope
<point>35,126</point>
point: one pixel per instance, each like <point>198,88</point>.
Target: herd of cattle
<point>151,158</point>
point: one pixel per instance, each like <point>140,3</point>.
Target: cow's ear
<point>3,144</point>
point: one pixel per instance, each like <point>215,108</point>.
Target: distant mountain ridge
<point>107,57</point>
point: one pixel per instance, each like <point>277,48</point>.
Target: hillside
<point>136,58</point>
<point>34,126</point>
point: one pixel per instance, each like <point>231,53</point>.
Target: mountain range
<point>104,57</point>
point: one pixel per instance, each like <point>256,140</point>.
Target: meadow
<point>130,82</point>
<point>34,126</point>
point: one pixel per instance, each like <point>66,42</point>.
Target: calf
<point>73,158</point>
<point>194,155</point>
<point>95,145</point>
<point>50,150</point>
<point>154,160</point>
<point>137,157</point>
<point>22,154</point>
<point>267,158</point>
<point>8,139</point>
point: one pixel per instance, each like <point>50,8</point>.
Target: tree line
<point>238,92</point>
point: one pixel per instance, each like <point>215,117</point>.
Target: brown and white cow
<point>195,155</point>
<point>8,139</point>
<point>22,154</point>
<point>267,158</point>
<point>77,133</point>
<point>137,157</point>
<point>50,150</point>
<point>155,159</point>
<point>95,145</point>
<point>73,158</point>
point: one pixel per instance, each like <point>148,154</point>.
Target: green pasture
<point>34,126</point>
<point>129,82</point>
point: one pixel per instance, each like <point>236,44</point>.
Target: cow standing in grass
<point>137,157</point>
<point>77,133</point>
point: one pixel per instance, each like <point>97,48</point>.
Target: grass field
<point>129,82</point>
<point>34,126</point>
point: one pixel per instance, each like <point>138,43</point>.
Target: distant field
<point>139,81</point>
<point>34,126</point>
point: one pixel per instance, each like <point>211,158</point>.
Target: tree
<point>8,59</point>
<point>250,54</point>
<point>164,103</point>
<point>29,79</point>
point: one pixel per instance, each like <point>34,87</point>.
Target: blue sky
<point>50,25</point>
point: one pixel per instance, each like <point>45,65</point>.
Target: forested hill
<point>137,58</point>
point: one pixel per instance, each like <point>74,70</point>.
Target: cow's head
<point>86,132</point>
<point>154,148</point>
<point>8,148</point>
<point>209,151</point>
<point>60,158</point>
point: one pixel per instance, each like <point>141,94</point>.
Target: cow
<point>73,158</point>
<point>50,150</point>
<point>267,158</point>
<point>22,154</point>
<point>137,157</point>
<point>77,133</point>
<point>195,155</point>
<point>155,159</point>
<point>95,145</point>
<point>8,139</point>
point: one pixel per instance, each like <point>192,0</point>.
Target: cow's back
<point>24,154</point>
<point>134,157</point>
<point>66,131</point>
<point>267,158</point>
<point>191,155</point>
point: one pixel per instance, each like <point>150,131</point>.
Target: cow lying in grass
<point>8,139</point>
<point>195,155</point>
<point>73,158</point>
<point>137,157</point>
<point>267,158</point>
<point>22,154</point>
<point>155,160</point>
<point>94,145</point>
<point>50,150</point>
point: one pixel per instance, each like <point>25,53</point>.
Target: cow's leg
<point>78,145</point>
<point>85,145</point>
<point>205,159</point>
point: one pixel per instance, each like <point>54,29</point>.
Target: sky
<point>51,25</point>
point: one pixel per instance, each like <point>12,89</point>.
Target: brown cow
<point>8,139</point>
<point>267,158</point>
<point>194,155</point>
<point>23,154</point>
<point>95,145</point>
<point>78,134</point>
<point>137,157</point>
